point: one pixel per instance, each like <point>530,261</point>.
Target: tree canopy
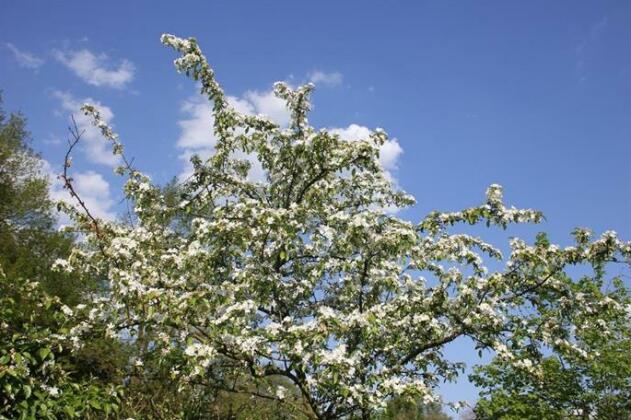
<point>568,385</point>
<point>306,289</point>
<point>299,294</point>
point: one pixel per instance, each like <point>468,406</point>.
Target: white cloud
<point>389,152</point>
<point>94,69</point>
<point>24,58</point>
<point>353,132</point>
<point>196,129</point>
<point>327,79</point>
<point>96,148</point>
<point>197,137</point>
<point>93,189</point>
<point>267,103</point>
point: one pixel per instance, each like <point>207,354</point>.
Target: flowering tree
<point>306,276</point>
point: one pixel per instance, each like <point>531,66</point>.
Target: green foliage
<point>405,409</point>
<point>23,190</point>
<point>596,384</point>
<point>29,243</point>
<point>299,295</point>
<point>39,376</point>
<point>35,378</point>
<point>153,394</point>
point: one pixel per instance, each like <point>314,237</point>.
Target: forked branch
<point>76,134</point>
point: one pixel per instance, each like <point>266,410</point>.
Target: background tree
<point>40,377</point>
<point>402,409</point>
<point>568,385</point>
<point>306,276</point>
<point>29,240</point>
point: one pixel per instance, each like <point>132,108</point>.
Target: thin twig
<point>67,180</point>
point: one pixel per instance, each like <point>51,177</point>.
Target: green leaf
<point>43,353</point>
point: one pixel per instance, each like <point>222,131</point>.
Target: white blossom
<point>308,272</point>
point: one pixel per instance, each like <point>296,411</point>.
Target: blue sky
<point>533,95</point>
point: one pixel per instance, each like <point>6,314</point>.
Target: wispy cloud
<point>583,47</point>
<point>326,79</point>
<point>92,143</point>
<point>95,69</point>
<point>25,58</point>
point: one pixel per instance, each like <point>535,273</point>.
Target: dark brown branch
<point>432,344</point>
<point>67,180</point>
